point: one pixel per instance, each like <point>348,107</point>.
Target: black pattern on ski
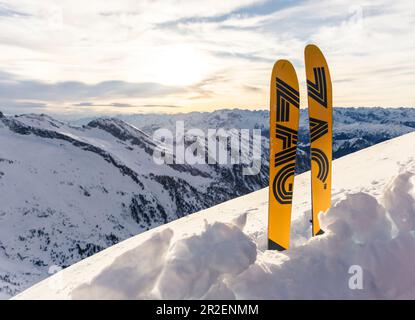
<point>286,96</point>
<point>318,90</point>
<point>318,128</point>
<point>320,157</point>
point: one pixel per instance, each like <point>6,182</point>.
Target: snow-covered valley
<point>221,252</point>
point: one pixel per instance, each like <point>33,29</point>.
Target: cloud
<point>71,52</point>
<point>6,11</point>
<point>12,88</point>
<point>160,106</point>
<point>14,107</point>
<point>8,104</point>
<point>84,104</point>
<point>113,104</point>
<point>123,105</point>
<point>252,88</point>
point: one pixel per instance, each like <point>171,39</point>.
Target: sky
<point>123,56</point>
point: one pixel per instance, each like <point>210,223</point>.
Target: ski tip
<point>320,232</point>
<point>312,47</point>
<point>282,64</point>
<point>285,67</point>
<point>275,246</point>
<point>311,50</point>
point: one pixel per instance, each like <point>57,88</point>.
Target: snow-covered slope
<point>221,252</point>
<point>67,192</point>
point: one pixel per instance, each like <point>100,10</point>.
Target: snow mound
<point>222,262</point>
<point>358,231</point>
<point>189,268</point>
<point>132,274</point>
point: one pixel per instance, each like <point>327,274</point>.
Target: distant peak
<point>118,128</point>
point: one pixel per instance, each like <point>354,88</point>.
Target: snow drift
<point>221,252</point>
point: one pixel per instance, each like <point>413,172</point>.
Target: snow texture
<point>220,252</point>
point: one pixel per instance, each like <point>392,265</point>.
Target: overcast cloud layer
<point>124,56</point>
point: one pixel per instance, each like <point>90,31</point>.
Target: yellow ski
<point>321,119</point>
<point>284,118</point>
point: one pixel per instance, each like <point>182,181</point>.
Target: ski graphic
<point>319,90</point>
<point>284,119</point>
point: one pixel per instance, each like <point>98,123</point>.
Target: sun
<point>179,65</point>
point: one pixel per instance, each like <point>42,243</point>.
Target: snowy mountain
<point>68,192</point>
<point>353,128</point>
<point>221,252</point>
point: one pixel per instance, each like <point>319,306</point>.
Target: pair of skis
<point>284,120</point>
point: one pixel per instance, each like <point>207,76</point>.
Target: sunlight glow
<point>179,65</point>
